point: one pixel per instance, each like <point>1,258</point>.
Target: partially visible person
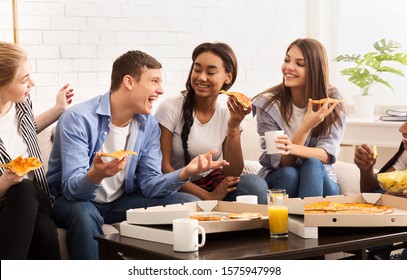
<point>195,122</point>
<point>27,230</point>
<point>313,133</point>
<point>91,190</point>
<point>365,161</point>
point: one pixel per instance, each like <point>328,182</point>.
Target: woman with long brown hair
<point>313,133</point>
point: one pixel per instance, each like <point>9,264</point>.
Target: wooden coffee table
<point>256,244</point>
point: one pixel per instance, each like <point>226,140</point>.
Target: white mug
<point>252,199</point>
<point>186,233</point>
<point>270,140</point>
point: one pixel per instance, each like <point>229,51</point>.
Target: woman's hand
<point>237,113</point>
<point>224,188</point>
<point>284,143</point>
<point>8,179</point>
<point>313,118</point>
<point>64,98</point>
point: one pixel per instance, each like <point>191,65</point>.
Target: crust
<point>328,207</point>
<point>322,101</point>
<point>118,154</point>
<point>241,98</point>
<point>244,215</point>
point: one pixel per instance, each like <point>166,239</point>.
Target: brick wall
<point>76,41</point>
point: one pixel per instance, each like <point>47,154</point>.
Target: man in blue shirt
<point>90,189</point>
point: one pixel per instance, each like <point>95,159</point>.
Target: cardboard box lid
<point>396,219</point>
<point>165,215</point>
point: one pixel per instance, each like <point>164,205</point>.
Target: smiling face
<point>18,90</point>
<point>146,90</point>
<point>208,75</point>
<point>293,68</point>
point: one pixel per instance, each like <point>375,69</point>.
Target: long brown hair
<point>316,86</point>
<point>229,59</point>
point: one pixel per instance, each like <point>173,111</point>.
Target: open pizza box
<point>155,223</point>
<point>306,225</point>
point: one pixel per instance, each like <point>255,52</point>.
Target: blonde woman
<point>26,228</point>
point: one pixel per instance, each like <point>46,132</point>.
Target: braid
<point>187,116</point>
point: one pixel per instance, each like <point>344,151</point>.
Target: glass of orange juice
<point>278,213</point>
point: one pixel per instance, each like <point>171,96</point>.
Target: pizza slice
<point>374,151</point>
<point>244,215</point>
<point>329,207</point>
<point>118,154</point>
<point>323,100</point>
<point>22,166</point>
<point>245,101</point>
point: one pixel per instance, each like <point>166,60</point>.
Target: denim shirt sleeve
<point>148,178</point>
<point>76,158</point>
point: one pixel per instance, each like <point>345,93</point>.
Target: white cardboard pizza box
<point>162,235</point>
<point>296,226</point>
<point>396,219</point>
<point>159,215</point>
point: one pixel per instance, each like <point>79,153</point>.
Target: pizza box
<point>398,218</point>
<point>161,215</point>
<point>152,233</point>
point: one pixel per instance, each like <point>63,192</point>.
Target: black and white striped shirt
<point>28,131</point>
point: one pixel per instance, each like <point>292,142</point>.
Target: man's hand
<point>364,158</point>
<point>101,169</point>
<point>200,164</point>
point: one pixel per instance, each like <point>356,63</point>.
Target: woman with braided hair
<point>194,122</point>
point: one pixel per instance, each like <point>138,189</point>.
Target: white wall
<point>76,41</point>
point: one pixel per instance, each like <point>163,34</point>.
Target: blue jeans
<point>250,184</point>
<point>309,179</point>
<point>84,219</point>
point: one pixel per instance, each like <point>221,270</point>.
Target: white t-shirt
<point>111,187</point>
<point>202,137</point>
<point>296,120</point>
<point>401,163</point>
<point>10,135</point>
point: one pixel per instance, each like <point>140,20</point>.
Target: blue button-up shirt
<point>80,133</point>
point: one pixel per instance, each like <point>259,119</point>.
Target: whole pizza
<point>326,207</point>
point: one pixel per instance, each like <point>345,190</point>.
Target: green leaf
<point>388,69</point>
<point>380,80</point>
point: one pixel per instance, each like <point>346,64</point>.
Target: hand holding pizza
<point>365,157</point>
<point>200,164</point>
<point>100,169</point>
<point>313,118</point>
<point>8,179</point>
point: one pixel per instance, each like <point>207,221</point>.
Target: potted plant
<point>367,69</point>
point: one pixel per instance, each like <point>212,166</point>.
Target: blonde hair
<point>12,58</point>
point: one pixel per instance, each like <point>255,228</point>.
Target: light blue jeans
<point>309,179</point>
<point>250,184</point>
<point>84,219</point>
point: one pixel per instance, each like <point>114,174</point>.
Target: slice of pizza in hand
<point>22,166</point>
<point>245,101</point>
<point>323,100</point>
<point>118,154</point>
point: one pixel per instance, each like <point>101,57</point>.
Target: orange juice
<point>278,220</point>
